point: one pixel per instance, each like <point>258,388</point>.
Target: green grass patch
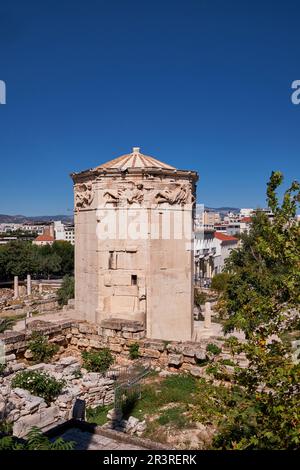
<point>173,417</point>
<point>97,415</point>
<point>178,388</point>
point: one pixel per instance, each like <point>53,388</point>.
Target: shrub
<point>134,351</point>
<point>218,371</point>
<point>97,361</point>
<point>6,428</point>
<point>6,324</point>
<point>213,349</point>
<point>233,344</point>
<point>39,383</point>
<point>199,297</point>
<point>42,351</point>
<point>35,441</point>
<point>219,282</point>
<point>2,369</point>
<point>66,291</point>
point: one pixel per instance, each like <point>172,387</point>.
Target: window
<point>110,260</point>
<point>133,279</point>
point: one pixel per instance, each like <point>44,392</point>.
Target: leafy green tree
<point>219,282</point>
<point>48,264</point>
<point>19,258</point>
<point>262,299</point>
<point>65,251</point>
<point>66,291</point>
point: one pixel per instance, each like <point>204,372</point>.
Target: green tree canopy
<point>262,299</point>
<point>19,258</point>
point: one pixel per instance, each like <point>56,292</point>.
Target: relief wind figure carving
<point>135,194</point>
<point>182,194</point>
<point>113,195</point>
<point>131,195</point>
<point>84,195</point>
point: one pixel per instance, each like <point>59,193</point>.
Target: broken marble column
<point>16,287</point>
<point>207,315</point>
<point>28,284</point>
<point>40,288</point>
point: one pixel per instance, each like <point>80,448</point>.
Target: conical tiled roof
<point>135,159</point>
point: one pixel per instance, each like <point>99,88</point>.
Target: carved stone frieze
<point>181,194</point>
<point>134,193</point>
<point>84,195</point>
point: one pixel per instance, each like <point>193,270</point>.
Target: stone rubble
<point>130,426</point>
<point>23,410</point>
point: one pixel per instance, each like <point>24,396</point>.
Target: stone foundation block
<point>175,359</point>
<point>87,328</point>
<point>46,417</point>
<point>151,353</point>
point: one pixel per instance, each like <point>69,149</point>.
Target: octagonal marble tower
<point>134,244</point>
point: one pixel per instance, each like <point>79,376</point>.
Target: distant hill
<point>21,219</point>
<point>222,210</point>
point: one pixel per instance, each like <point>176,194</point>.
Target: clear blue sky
<point>200,84</point>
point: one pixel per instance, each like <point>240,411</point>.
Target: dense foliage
<point>262,299</point>
<point>6,324</point>
<point>66,291</point>
<point>35,440</point>
<point>39,383</point>
<point>97,361</point>
<point>19,234</point>
<point>41,349</point>
<point>199,297</point>
<point>219,282</point>
<point>19,258</point>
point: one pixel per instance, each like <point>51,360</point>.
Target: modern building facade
<point>64,232</point>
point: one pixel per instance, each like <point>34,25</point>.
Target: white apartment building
<point>12,227</point>
<point>246,212</point>
<point>224,244</point>
<point>64,232</point>
<point>211,250</point>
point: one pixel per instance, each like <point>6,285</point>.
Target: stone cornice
<point>112,172</point>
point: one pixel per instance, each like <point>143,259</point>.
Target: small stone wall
<point>117,335</point>
<point>40,306</point>
<point>23,410</point>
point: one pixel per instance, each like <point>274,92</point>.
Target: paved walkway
<point>200,332</point>
<point>87,441</point>
<point>51,317</point>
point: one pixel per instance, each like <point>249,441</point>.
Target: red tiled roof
<point>246,219</point>
<point>44,238</point>
<point>225,238</point>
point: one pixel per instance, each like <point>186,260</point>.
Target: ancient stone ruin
<point>133,249</point>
